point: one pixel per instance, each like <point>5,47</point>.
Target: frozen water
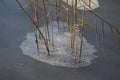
<point>61,53</point>
<point>94,4</point>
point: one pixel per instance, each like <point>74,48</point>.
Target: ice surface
<point>61,53</point>
<point>94,4</point>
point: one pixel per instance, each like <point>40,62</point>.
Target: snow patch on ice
<point>94,4</point>
<point>61,53</point>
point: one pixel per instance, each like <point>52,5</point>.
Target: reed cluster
<point>40,13</point>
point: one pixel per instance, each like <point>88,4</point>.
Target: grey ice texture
<point>61,53</point>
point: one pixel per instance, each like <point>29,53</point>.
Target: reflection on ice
<point>80,3</point>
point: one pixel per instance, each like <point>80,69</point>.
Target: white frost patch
<point>61,53</point>
<point>94,4</point>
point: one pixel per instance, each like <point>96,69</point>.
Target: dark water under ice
<point>15,66</point>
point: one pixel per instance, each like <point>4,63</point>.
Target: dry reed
<point>69,16</point>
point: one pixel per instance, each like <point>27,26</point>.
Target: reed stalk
<point>74,30</point>
<point>46,18</point>
<point>81,33</point>
<point>103,33</point>
<point>36,21</point>
<point>96,29</point>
